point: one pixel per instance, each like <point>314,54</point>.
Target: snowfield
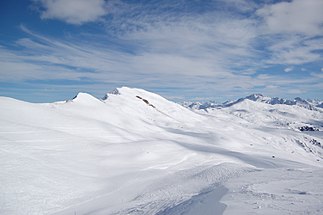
<point>134,152</point>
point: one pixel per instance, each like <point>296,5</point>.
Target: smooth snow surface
<point>135,152</point>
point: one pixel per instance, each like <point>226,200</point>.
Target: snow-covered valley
<point>134,152</point>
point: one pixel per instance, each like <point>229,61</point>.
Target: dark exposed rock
<point>315,142</point>
<point>146,101</point>
<point>308,128</point>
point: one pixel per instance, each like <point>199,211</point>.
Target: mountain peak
<point>255,96</point>
<point>127,91</point>
<point>82,95</point>
<point>84,98</point>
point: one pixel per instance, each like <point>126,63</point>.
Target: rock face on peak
<point>113,92</point>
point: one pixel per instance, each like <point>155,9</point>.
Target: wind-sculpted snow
<point>134,152</point>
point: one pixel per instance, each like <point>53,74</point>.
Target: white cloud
<point>288,69</point>
<point>293,31</point>
<point>297,16</point>
<point>73,11</point>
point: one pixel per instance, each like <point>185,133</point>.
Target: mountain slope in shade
<point>134,152</point>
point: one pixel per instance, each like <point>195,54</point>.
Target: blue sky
<point>183,50</point>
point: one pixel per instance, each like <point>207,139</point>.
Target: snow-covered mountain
<point>309,104</point>
<point>134,152</point>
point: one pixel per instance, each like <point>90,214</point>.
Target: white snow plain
<point>137,153</point>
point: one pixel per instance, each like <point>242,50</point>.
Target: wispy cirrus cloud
<point>42,58</point>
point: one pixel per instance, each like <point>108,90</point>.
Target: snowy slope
<point>134,152</point>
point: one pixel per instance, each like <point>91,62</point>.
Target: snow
<point>289,191</point>
<point>134,152</point>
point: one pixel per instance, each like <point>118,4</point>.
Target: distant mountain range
<point>306,103</point>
